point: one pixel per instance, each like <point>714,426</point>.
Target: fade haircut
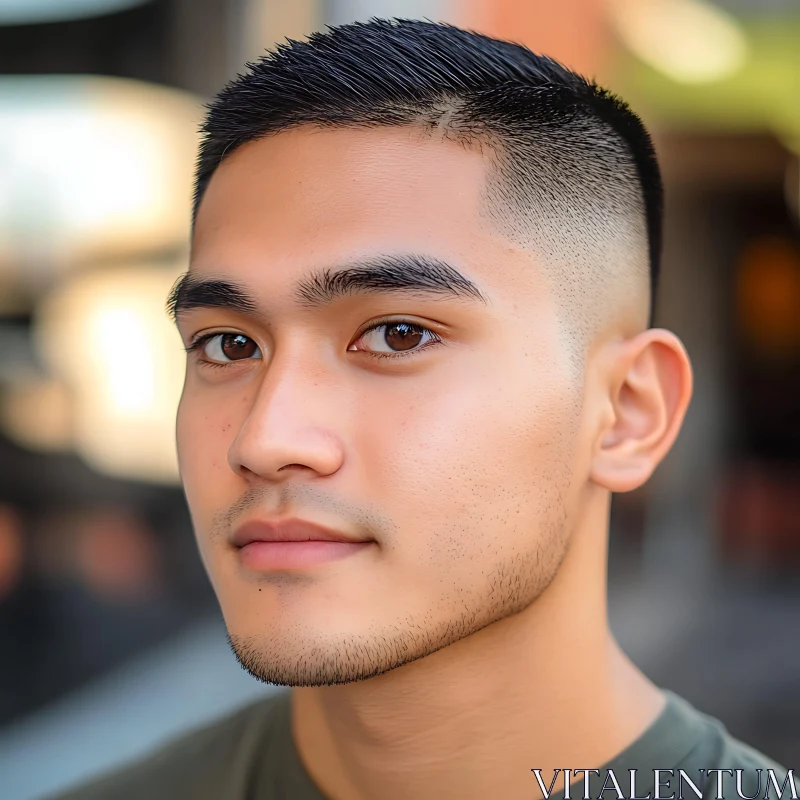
<point>572,173</point>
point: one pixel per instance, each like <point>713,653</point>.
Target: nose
<point>287,428</point>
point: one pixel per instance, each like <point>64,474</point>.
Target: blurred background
<point>110,636</point>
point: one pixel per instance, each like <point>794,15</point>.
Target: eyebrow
<point>407,273</point>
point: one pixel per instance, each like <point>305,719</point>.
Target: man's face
<point>460,461</point>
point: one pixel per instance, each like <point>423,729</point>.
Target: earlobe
<point>649,386</point>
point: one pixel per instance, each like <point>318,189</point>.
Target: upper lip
<point>287,530</point>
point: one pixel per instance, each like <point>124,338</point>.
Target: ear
<point>647,383</point>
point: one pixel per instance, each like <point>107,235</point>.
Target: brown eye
<point>393,339</point>
<point>402,336</point>
<point>225,347</point>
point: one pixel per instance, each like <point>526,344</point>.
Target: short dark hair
<point>564,142</point>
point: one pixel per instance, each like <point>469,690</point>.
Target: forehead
<point>380,186</point>
<point>310,197</point>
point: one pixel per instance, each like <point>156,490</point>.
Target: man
<point>419,363</point>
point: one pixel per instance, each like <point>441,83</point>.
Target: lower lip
<point>266,556</point>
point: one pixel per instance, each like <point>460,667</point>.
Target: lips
<point>288,530</point>
<point>267,546</point>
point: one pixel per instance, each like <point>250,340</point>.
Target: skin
<point>481,468</point>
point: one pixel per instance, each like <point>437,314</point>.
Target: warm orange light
<point>107,336</point>
<point>768,295</point>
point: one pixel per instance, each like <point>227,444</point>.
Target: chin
<point>324,661</point>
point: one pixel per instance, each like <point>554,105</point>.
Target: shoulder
<point>732,764</point>
<point>212,761</point>
<point>747,771</point>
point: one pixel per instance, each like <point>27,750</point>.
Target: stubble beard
<point>513,585</point>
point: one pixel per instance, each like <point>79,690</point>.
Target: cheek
<point>204,434</point>
<point>475,466</point>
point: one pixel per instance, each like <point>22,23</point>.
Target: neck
<point>548,688</point>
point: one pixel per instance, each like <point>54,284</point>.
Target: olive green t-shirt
<point>250,755</point>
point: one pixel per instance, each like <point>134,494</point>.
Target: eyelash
<point>198,343</point>
<point>196,346</point>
